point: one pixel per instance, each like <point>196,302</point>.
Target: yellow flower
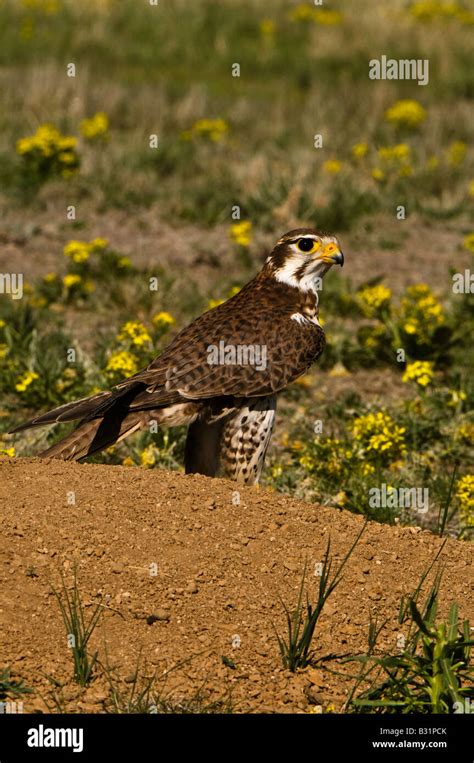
<point>457,398</point>
<point>468,242</point>
<point>162,320</point>
<point>95,127</point>
<point>213,129</point>
<point>136,332</point>
<point>77,251</point>
<point>267,28</point>
<point>127,461</point>
<point>48,143</point>
<point>2,324</point>
<point>98,244</point>
<point>377,434</point>
<point>10,452</point>
<point>373,299</point>
<point>430,10</point>
<point>303,12</point>
<point>122,362</point>
<point>406,113</point>
<point>378,174</point>
<point>465,496</point>
<point>241,232</point>
<point>332,166</point>
<point>148,456</point>
<point>71,279</point>
<point>419,371</point>
<point>359,150</point>
<point>421,313</point>
<point>398,153</point>
<point>24,381</point>
<point>456,153</point>
<point>465,433</point>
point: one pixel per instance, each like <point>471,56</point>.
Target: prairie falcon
<point>221,374</point>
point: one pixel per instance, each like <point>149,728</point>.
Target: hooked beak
<point>338,258</point>
<point>333,258</point>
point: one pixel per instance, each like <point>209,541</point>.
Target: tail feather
<point>91,436</point>
<point>86,408</point>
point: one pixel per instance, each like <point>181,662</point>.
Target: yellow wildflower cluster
<point>241,232</point>
<point>332,166</point>
<point>25,380</point>
<point>148,456</point>
<point>70,280</point>
<point>406,113</point>
<point>433,10</point>
<point>212,129</point>
<point>374,299</point>
<point>49,151</point>
<point>324,456</point>
<point>136,332</point>
<point>421,313</point>
<point>465,433</point>
<point>465,496</point>
<point>377,434</point>
<point>419,371</point>
<point>123,363</point>
<point>323,16</point>
<point>396,157</point>
<point>163,320</point>
<point>95,128</point>
<point>468,242</point>
<point>80,251</point>
<point>456,153</point>
<point>359,150</point>
<point>10,452</point>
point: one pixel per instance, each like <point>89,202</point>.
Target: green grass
<point>432,673</point>
<point>78,630</point>
<point>296,648</point>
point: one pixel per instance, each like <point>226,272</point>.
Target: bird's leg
<point>245,438</point>
<point>201,454</point>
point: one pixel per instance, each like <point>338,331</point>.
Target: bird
<point>221,374</point>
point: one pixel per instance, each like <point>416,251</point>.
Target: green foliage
<point>296,648</point>
<point>432,673</point>
<point>78,629</point>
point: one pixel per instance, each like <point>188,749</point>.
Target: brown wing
<point>258,317</point>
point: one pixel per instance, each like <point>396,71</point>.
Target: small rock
<point>160,614</point>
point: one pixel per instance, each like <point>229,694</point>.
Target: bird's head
<point>301,257</point>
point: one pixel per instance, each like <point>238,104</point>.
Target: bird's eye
<point>306,244</point>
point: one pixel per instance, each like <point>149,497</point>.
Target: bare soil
<point>221,568</point>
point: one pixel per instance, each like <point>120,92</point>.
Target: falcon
<point>221,374</point>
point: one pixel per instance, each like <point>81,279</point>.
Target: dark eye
<point>305,244</point>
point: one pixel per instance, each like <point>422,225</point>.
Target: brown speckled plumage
<point>229,407</point>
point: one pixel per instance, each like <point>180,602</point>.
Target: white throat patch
<point>309,282</point>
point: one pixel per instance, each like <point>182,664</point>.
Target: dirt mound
<point>190,572</point>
